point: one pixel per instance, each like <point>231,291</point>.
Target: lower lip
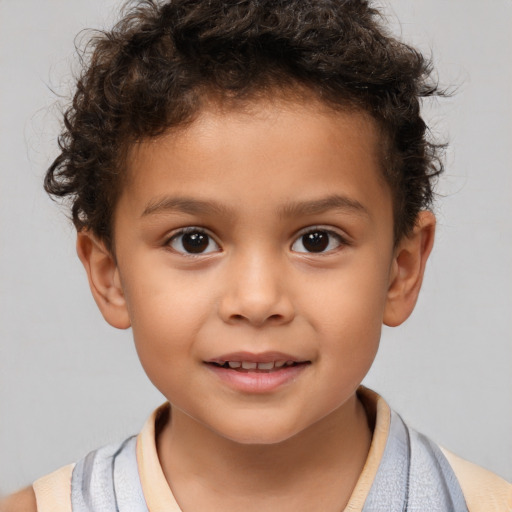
<point>258,382</point>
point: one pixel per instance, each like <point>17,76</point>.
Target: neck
<point>327,457</point>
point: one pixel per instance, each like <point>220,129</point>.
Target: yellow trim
<point>158,495</point>
<point>484,491</point>
<point>53,491</point>
<point>382,414</point>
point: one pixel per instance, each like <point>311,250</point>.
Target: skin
<point>22,501</point>
<point>273,172</point>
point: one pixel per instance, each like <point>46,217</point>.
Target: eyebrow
<point>184,205</point>
<point>193,206</point>
<point>316,206</point>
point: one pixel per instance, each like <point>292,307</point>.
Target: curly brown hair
<point>159,64</point>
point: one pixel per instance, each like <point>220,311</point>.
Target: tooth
<point>234,364</point>
<point>266,366</point>
<point>246,365</point>
<point>279,364</point>
<point>289,363</point>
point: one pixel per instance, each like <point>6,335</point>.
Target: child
<point>250,182</point>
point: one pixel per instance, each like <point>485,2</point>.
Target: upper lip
<point>251,357</point>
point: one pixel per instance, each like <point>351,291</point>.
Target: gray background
<point>70,383</point>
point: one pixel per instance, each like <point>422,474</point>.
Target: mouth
<point>257,373</point>
<point>257,366</point>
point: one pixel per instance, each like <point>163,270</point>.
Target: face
<point>254,251</point>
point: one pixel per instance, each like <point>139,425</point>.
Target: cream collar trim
<point>159,497</point>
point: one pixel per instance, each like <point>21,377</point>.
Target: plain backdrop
<point>70,383</point>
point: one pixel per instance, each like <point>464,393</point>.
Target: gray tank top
<point>413,476</point>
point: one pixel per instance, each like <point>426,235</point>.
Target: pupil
<point>316,241</point>
<point>195,242</point>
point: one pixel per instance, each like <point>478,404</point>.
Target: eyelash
<point>192,230</point>
<point>340,240</point>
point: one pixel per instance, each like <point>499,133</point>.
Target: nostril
<point>256,310</point>
<point>272,319</point>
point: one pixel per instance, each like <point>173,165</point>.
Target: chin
<point>258,434</point>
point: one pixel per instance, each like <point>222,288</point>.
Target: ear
<point>104,279</point>
<point>407,270</point>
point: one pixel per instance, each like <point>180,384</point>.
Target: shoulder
<point>22,501</point>
<point>483,490</point>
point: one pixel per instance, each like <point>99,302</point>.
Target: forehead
<point>260,152</point>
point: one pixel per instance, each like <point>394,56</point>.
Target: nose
<point>255,292</point>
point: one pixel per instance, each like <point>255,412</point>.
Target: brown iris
<point>195,242</point>
<point>316,241</point>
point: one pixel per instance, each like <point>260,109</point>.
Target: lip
<point>257,381</point>
<point>263,357</point>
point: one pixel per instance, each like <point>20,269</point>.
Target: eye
<point>317,241</point>
<point>193,241</point>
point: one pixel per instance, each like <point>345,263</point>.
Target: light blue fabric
<point>107,480</point>
<point>413,476</point>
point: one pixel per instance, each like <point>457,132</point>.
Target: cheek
<point>166,302</point>
<point>346,310</point>
<point>350,299</point>
<point>166,315</point>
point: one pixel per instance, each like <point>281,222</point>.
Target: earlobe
<point>408,268</point>
<point>104,279</point>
